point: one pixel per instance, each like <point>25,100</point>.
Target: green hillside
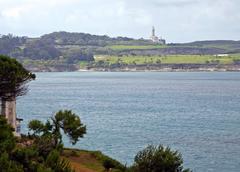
<point>169,59</point>
<point>64,51</point>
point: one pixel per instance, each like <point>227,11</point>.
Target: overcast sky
<point>174,20</point>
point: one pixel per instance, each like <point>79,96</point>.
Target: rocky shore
<point>141,68</point>
<point>169,68</point>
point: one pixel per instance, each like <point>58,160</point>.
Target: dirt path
<point>80,168</point>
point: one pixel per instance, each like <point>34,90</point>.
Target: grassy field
<point>134,47</point>
<point>83,64</point>
<point>169,59</point>
<point>88,161</point>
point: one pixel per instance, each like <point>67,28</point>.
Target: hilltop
<point>64,51</point>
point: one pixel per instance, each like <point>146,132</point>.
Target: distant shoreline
<point>160,70</point>
<point>146,68</point>
<point>169,68</point>
<point>140,70</point>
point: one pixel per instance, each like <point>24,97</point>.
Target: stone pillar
<point>9,111</point>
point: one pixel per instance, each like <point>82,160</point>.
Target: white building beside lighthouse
<point>155,39</point>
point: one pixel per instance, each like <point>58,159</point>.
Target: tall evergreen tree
<point>13,78</point>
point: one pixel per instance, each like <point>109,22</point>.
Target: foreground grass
<point>88,161</point>
<point>169,59</point>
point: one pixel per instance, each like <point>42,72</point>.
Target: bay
<point>195,113</point>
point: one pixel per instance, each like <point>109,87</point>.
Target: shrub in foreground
<point>158,159</point>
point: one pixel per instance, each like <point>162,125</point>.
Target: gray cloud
<point>175,3</point>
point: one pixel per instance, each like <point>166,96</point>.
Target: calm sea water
<point>195,113</point>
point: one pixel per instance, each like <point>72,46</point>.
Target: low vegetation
<point>83,160</point>
<point>135,47</point>
<point>150,159</point>
<point>158,158</point>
